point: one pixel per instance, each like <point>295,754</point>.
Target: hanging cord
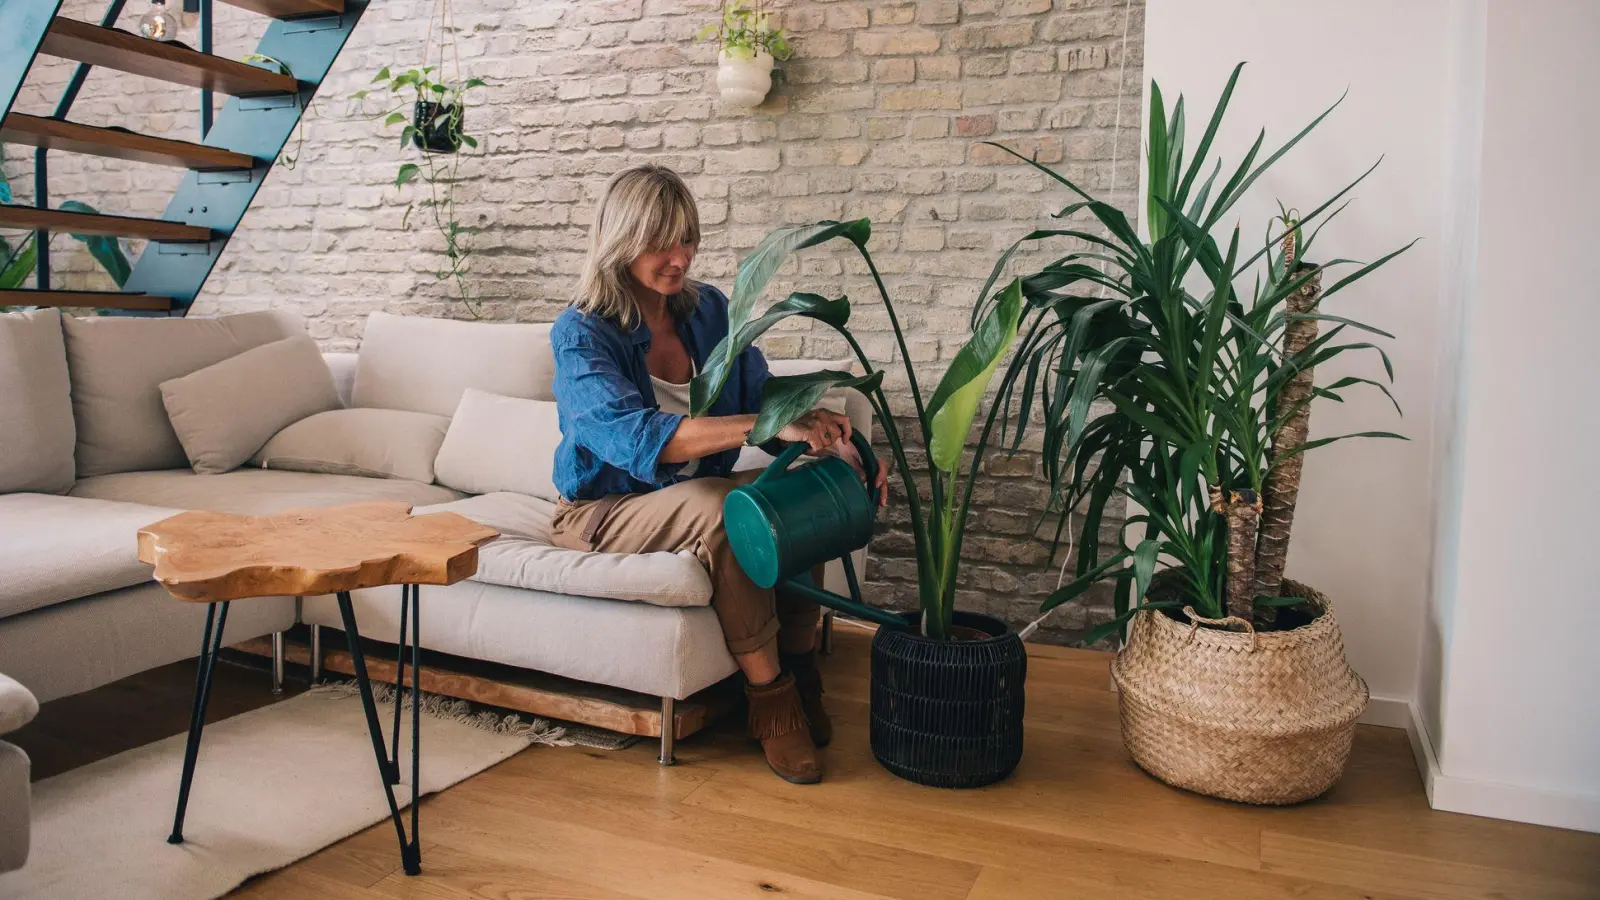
<point>1116,146</point>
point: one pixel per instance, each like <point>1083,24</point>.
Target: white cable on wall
<point>1116,146</point>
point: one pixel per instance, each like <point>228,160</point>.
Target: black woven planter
<point>948,713</point>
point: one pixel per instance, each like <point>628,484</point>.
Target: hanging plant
<point>748,43</point>
<point>431,112</point>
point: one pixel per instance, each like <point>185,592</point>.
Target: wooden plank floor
<point>1078,820</point>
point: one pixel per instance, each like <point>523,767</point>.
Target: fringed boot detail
<point>778,721</point>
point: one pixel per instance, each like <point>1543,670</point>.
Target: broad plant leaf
<point>19,265</point>
<point>815,306</point>
<point>755,271</point>
<point>106,250</point>
<point>954,403</point>
<point>788,397</point>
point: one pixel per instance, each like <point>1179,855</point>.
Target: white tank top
<point>674,398</point>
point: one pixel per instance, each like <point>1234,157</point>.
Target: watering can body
<point>792,518</point>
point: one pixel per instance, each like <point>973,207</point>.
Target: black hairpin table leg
<point>210,643</point>
<point>388,766</point>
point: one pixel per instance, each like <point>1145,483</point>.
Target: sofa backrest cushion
<point>425,365</point>
<point>35,404</point>
<point>225,412</point>
<point>372,443</point>
<point>500,443</point>
<point>117,366</point>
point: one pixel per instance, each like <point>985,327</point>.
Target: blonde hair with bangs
<point>643,209</point>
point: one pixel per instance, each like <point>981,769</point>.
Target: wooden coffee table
<point>217,558</point>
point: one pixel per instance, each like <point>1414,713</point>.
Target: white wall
<point>1520,724</point>
<point>1362,531</point>
<point>1457,562</point>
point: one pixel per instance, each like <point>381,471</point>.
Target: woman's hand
<point>847,452</point>
<point>818,429</point>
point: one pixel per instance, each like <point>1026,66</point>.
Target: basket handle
<point>1196,620</point>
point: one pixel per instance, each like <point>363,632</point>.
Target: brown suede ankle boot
<point>778,721</point>
<point>808,681</point>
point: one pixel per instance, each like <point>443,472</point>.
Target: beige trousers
<point>688,516</point>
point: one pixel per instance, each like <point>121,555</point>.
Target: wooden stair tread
<point>96,299</point>
<point>73,137</point>
<point>31,217</point>
<point>289,9</point>
<point>126,52</point>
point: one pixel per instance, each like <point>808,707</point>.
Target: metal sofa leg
<point>277,662</point>
<point>668,729</point>
<point>825,639</point>
<point>316,653</point>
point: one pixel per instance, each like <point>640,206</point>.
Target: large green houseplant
<point>945,417</point>
<point>1178,370</point>
<point>947,687</point>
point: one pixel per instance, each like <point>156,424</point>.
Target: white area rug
<point>272,786</point>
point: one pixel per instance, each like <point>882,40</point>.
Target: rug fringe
<point>533,729</point>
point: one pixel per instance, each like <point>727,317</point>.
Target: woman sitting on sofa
<point>638,475</point>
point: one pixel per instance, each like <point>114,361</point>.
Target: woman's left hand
<point>846,451</point>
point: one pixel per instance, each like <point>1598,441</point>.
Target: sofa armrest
<point>343,367</point>
<point>17,705</point>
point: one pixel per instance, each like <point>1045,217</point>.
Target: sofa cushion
<point>500,443</point>
<point>118,364</point>
<point>424,365</point>
<point>77,646</point>
<point>54,548</point>
<point>17,705</point>
<point>372,443</point>
<point>225,412</point>
<point>35,404</point>
<point>254,491</point>
<point>523,557</point>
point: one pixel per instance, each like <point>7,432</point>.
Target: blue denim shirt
<point>612,428</point>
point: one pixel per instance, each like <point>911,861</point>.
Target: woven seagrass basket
<point>1258,718</point>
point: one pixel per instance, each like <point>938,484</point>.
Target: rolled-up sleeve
<point>605,413</point>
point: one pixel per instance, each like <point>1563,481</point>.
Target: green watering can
<point>788,520</point>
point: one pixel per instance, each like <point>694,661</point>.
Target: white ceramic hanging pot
<point>744,80</point>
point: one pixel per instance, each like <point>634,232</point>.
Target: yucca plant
<point>945,418</point>
<point>1177,371</point>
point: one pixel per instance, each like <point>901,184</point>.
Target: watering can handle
<point>783,462</point>
<point>868,461</point>
<point>792,452</point>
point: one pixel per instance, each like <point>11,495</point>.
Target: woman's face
<point>663,271</point>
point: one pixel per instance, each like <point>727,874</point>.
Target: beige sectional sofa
<point>89,455</point>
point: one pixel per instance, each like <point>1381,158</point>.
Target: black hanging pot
<point>948,713</point>
<point>438,125</point>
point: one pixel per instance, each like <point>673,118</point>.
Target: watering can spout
<point>790,519</point>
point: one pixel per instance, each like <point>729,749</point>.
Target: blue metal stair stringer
<point>22,28</point>
<point>257,126</point>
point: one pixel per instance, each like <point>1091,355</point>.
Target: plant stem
<point>1243,512</point>
<point>1282,488</point>
<point>900,338</point>
<point>892,432</point>
<point>919,534</point>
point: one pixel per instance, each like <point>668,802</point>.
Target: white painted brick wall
<point>879,114</point>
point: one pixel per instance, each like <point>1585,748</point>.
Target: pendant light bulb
<point>158,23</point>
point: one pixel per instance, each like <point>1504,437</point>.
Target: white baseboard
<point>1388,712</point>
<point>1492,799</point>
